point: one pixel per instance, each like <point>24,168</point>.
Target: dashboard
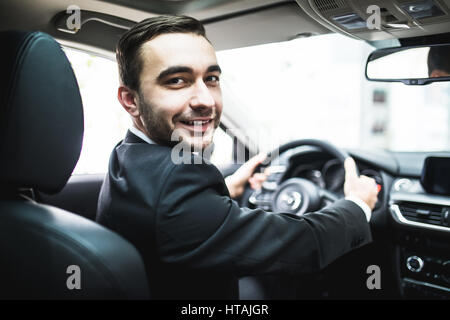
<point>412,224</point>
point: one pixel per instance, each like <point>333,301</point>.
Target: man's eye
<point>214,79</point>
<point>175,81</point>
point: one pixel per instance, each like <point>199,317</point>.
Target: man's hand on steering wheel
<point>362,187</point>
<point>237,181</point>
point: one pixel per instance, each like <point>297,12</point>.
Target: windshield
<point>315,88</point>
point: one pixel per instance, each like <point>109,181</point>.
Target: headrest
<point>41,113</point>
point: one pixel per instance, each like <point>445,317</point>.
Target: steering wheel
<point>299,195</point>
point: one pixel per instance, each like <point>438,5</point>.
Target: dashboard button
<point>414,264</point>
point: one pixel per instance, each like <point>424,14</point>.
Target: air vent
<point>421,212</point>
<point>325,5</point>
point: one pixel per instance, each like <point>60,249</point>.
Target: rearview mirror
<point>411,65</point>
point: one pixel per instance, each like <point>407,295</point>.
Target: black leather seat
<point>41,131</point>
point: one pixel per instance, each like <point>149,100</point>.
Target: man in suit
<point>195,240</point>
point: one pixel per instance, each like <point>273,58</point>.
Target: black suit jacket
<point>196,241</point>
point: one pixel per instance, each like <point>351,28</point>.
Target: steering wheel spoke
<point>328,195</point>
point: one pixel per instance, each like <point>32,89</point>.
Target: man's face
<point>179,89</point>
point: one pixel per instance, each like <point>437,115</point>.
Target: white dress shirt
<point>362,205</point>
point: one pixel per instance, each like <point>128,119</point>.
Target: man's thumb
<point>350,168</point>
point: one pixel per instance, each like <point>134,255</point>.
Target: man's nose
<point>202,97</point>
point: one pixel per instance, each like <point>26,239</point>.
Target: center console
<point>424,267</point>
<point>422,234</point>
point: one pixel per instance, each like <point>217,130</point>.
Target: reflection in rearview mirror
<point>413,65</point>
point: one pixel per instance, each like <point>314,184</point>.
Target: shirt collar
<point>141,135</point>
<point>144,137</point>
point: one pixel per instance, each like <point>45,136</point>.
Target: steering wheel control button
<point>414,264</point>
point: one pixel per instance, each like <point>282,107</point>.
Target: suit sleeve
<point>199,226</point>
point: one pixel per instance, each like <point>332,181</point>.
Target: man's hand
<point>237,181</point>
<point>362,187</point>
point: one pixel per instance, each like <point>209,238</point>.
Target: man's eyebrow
<point>214,68</point>
<point>173,70</point>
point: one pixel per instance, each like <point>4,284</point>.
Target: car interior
<point>47,213</point>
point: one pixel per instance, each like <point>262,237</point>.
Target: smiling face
<point>179,90</point>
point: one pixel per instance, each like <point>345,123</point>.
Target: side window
<point>105,121</point>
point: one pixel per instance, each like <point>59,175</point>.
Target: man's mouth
<point>197,124</point>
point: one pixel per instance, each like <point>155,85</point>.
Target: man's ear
<point>128,100</point>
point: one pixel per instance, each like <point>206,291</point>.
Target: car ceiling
<point>254,21</point>
<point>229,24</point>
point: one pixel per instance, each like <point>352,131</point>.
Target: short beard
<point>160,131</point>
<point>157,129</point>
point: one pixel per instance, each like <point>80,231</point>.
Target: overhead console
<point>398,18</point>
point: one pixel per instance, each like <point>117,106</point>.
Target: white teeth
<point>199,123</point>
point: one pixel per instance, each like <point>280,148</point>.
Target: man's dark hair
<point>439,58</point>
<point>128,47</point>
